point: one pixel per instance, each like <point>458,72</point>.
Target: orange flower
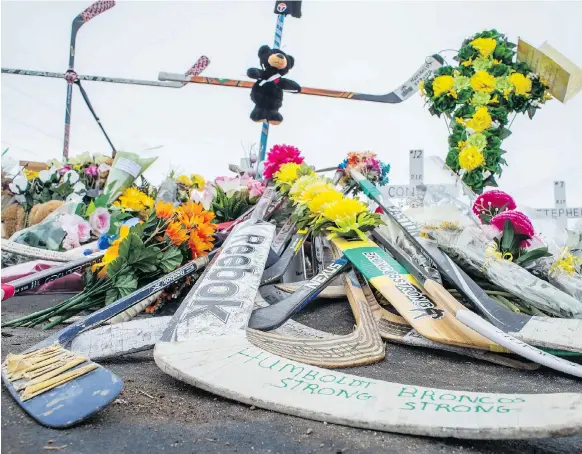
<point>191,222</point>
<point>176,233</point>
<point>164,210</point>
<point>206,230</point>
<point>208,216</point>
<point>191,214</point>
<point>198,246</point>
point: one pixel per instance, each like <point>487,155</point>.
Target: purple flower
<point>92,170</point>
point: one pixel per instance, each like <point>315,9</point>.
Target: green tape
<point>368,260</point>
<point>369,189</point>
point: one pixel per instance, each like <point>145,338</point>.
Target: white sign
<point>416,167</point>
<point>560,212</point>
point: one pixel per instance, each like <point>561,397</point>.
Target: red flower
<point>279,155</point>
<point>521,224</point>
<point>491,203</point>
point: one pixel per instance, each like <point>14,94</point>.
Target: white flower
<point>44,176</point>
<point>55,163</point>
<point>74,198</point>
<point>79,188</point>
<point>18,185</point>
<point>71,176</point>
<point>204,197</point>
<point>104,167</point>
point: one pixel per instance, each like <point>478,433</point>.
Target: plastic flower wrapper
<point>168,191</point>
<point>471,248</point>
<point>126,168</point>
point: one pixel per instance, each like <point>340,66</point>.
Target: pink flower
<point>521,224</point>
<point>491,203</point>
<point>100,221</point>
<point>279,155</point>
<point>92,170</point>
<point>256,188</point>
<point>65,169</point>
<point>76,227</point>
<point>71,242</point>
<point>229,184</point>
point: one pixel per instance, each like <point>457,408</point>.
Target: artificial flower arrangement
<point>478,95</point>
<point>125,169</point>
<point>498,251</point>
<point>318,204</point>
<point>375,171</point>
<point>144,249</point>
<point>186,184</point>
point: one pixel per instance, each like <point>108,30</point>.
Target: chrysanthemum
<point>280,154</point>
<point>520,222</point>
<point>311,191</point>
<point>343,208</point>
<point>176,233</point>
<point>164,210</point>
<point>322,200</point>
<point>470,158</point>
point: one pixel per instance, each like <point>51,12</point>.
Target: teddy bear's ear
<point>264,52</point>
<point>290,62</point>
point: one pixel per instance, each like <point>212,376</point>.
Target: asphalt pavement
<point>156,413</point>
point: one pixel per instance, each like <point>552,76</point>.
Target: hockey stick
<point>560,334</point>
<point>79,396</point>
<point>402,93</point>
<point>92,11</point>
<point>37,279</point>
<point>195,70</point>
<point>206,345</point>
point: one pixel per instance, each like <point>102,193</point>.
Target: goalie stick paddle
<point>206,345</point>
<point>555,333</point>
<point>42,277</point>
<point>566,336</point>
<point>81,387</point>
<point>402,93</point>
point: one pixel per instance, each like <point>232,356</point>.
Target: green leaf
<point>131,248</point>
<point>508,235</point>
<point>101,201</point>
<point>116,267</point>
<point>90,209</point>
<point>171,259</point>
<point>126,284</point>
<point>504,134</point>
<point>148,260</point>
<point>111,296</point>
<point>532,255</point>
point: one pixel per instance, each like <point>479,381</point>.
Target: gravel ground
<point>158,413</point>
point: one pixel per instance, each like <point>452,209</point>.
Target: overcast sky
<point>369,47</point>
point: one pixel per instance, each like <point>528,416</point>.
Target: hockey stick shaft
<point>37,279</point>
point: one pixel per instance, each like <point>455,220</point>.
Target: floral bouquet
<point>163,241</point>
<point>479,94</point>
<point>368,165</point>
<point>126,168</point>
<point>186,184</point>
<point>230,197</point>
<point>279,155</point>
<point>498,252</point>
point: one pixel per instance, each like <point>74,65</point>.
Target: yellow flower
<point>481,120</point>
<point>494,100</point>
<point>421,88</point>
<point>565,262</point>
<point>135,200</point>
<point>442,84</point>
<point>300,185</point>
<point>111,253</point>
<point>461,144</point>
<point>185,180</point>
<point>343,208</point>
<point>483,81</point>
<point>321,200</point>
<point>467,62</point>
<point>485,46</point>
<point>496,62</point>
<point>311,191</point>
<point>287,173</point>
<point>521,84</point>
<point>470,158</point>
<point>460,120</point>
<point>30,174</point>
<point>198,180</point>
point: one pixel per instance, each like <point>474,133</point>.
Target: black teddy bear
<point>267,92</point>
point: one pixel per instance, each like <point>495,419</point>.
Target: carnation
<point>520,222</point>
<point>279,155</point>
<point>491,203</point>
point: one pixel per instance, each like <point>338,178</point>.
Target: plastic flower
<point>164,210</point>
<point>502,84</point>
<point>481,120</point>
<point>311,191</point>
<point>287,173</point>
<point>204,197</point>
<point>485,46</point>
<point>521,84</point>
<point>198,181</point>
<point>198,246</point>
<point>176,234</point>
<point>482,63</point>
<point>480,99</point>
<point>71,242</point>
<point>470,158</point>
<point>18,185</point>
<point>299,186</point>
<point>185,180</point>
<point>135,200</point>
<point>442,84</point>
<point>111,253</point>
<point>229,185</point>
<point>30,174</point>
<point>477,140</point>
<point>280,154</point>
<point>566,263</point>
<point>76,226</point>
<point>461,82</point>
<point>321,200</point>
<point>256,188</point>
<point>92,170</point>
<point>521,224</point>
<point>100,221</point>
<point>491,203</point>
<point>483,81</point>
<point>191,214</point>
<point>343,208</point>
